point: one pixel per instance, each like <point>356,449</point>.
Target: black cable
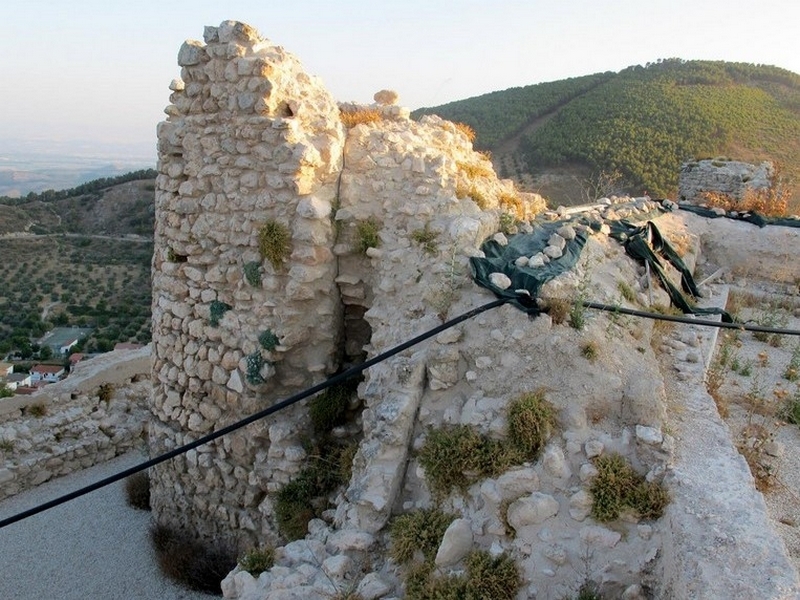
<point>682,319</point>
<point>252,418</point>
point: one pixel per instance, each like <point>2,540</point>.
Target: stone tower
<point>245,306</point>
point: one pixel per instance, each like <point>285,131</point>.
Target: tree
<point>5,391</point>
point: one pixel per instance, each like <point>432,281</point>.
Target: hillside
<point>109,206</point>
<point>642,122</point>
<point>78,257</point>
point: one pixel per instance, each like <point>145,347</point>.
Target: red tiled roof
<point>47,369</point>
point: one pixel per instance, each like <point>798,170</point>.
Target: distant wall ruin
<point>729,177</point>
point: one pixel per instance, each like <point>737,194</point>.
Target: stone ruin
<point>254,150</point>
<point>251,139</point>
<point>728,177</point>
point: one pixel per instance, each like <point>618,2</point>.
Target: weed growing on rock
<point>137,490</point>
<point>257,560</point>
<point>486,577</point>
<point>419,530</point>
<point>275,243</point>
<point>329,408</point>
<point>457,456</point>
<point>305,497</point>
<point>588,591</point>
<point>367,235</point>
<point>216,310</point>
<point>508,223</point>
<point>512,203</point>
<point>6,445</point>
<point>254,364</point>
<point>105,392</point>
<point>198,565</point>
<point>792,371</point>
<point>590,350</point>
<point>474,170</point>
<point>468,131</point>
<point>558,309</point>
<point>627,292</point>
<point>617,487</point>
<point>531,419</point>
<point>791,408</point>
<point>252,273</point>
<point>426,238</point>
<point>36,410</point>
<point>268,340</point>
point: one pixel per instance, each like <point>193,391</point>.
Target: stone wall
<point>67,427</point>
<point>729,177</point>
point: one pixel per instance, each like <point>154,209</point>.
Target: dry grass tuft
<point>468,131</point>
<point>770,202</point>
<point>351,118</point>
<point>474,170</point>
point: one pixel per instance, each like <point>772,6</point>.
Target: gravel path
<point>93,548</point>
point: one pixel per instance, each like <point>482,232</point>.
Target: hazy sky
<point>99,69</point>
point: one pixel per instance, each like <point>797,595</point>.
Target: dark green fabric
<point>750,217</point>
<point>500,259</point>
<point>645,244</point>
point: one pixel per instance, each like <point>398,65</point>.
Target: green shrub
<point>252,273</point>
<point>419,530</point>
<point>458,456</point>
<point>137,490</point>
<point>305,497</point>
<point>254,363</point>
<point>268,340</point>
<point>367,235</point>
<point>6,445</point>
<point>487,577</point>
<point>577,315</point>
<point>617,486</point>
<point>216,310</point>
<point>329,408</point>
<point>275,243</point>
<point>791,409</point>
<point>198,565</point>
<point>257,560</point>
<point>531,419</point>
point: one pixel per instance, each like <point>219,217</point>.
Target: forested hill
<point>642,122</point>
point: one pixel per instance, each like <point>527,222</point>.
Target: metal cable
<point>252,418</point>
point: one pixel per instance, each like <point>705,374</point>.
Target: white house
<point>6,369</point>
<point>49,373</point>
<point>68,345</point>
<point>15,380</point>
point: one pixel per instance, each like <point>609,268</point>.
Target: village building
<point>46,373</point>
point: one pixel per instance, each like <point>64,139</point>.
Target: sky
<point>97,71</point>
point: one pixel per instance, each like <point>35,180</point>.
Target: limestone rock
<point>531,510</point>
<point>386,97</point>
<point>456,543</point>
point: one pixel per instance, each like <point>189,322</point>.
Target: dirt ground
<point>759,377</point>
